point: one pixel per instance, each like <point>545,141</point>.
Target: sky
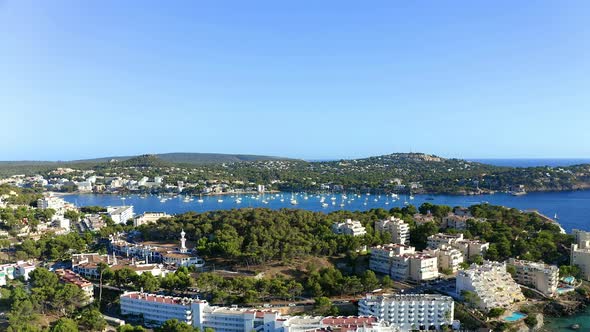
<point>303,79</point>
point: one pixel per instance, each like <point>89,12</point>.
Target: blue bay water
<point>572,207</point>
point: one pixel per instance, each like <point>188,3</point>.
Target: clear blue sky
<point>307,79</point>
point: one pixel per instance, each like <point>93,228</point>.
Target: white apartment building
<point>15,270</point>
<point>399,229</point>
<point>382,256</point>
<point>492,284</point>
<point>469,248</point>
<point>156,309</point>
<point>87,265</point>
<point>120,214</point>
<point>448,257</point>
<point>410,311</point>
<point>455,221</point>
<point>542,277</point>
<point>580,252</point>
<point>149,217</point>
<point>51,202</point>
<point>349,227</point>
<point>415,266</point>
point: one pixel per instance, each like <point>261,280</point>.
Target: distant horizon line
<point>296,158</point>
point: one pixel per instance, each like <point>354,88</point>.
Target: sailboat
<point>555,217</point>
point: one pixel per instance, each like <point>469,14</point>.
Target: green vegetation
<point>496,312</point>
<point>48,296</point>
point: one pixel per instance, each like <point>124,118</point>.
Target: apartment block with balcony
<point>542,277</point>
<point>492,284</point>
<point>399,229</point>
<point>410,311</point>
<point>349,227</point>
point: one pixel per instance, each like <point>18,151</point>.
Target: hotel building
<point>542,277</point>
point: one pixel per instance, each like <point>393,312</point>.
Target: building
<point>421,219</point>
<point>149,217</point>
<point>349,227</point>
<point>399,230</point>
<point>382,256</point>
<point>542,277</point>
<point>156,309</point>
<point>469,248</point>
<point>402,262</point>
<point>15,270</point>
<point>68,276</point>
<point>410,311</point>
<point>448,257</point>
<point>580,252</point>
<point>87,265</point>
<point>51,202</point>
<point>455,221</point>
<point>491,283</point>
<point>120,214</point>
<point>93,222</point>
<point>155,252</point>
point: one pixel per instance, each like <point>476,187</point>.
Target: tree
<point>68,298</point>
<point>92,320</point>
<point>323,306</point>
<point>130,328</point>
<point>148,282</point>
<point>173,325</point>
<point>386,282</point>
<point>41,277</point>
<point>125,276</point>
<point>496,312</point>
<point>369,280</point>
<point>65,325</point>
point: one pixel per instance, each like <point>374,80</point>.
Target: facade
<point>399,230</point>
<point>149,217</point>
<point>68,276</point>
<point>492,284</point>
<point>455,221</point>
<point>410,311</point>
<point>156,309</point>
<point>421,219</point>
<point>580,252</point>
<point>402,262</point>
<point>120,214</point>
<point>542,277</point>
<point>51,202</point>
<point>469,248</point>
<point>382,256</point>
<point>449,258</point>
<point>349,227</point>
<point>15,270</point>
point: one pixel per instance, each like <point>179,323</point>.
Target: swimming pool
<point>515,316</point>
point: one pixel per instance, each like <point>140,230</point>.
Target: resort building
<point>580,252</point>
<point>349,227</point>
<point>15,270</point>
<point>402,262</point>
<point>51,202</point>
<point>149,217</point>
<point>410,312</point>
<point>448,257</point>
<point>382,256</point>
<point>120,214</point>
<point>68,276</point>
<point>542,277</point>
<point>87,265</point>
<point>156,309</point>
<point>157,252</point>
<point>399,229</point>
<point>491,283</point>
<point>469,248</point>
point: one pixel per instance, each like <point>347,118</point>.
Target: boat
<point>200,200</point>
<point>575,326</point>
<point>556,217</point>
<point>411,197</point>
<point>220,201</point>
<point>293,201</point>
<point>324,204</point>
